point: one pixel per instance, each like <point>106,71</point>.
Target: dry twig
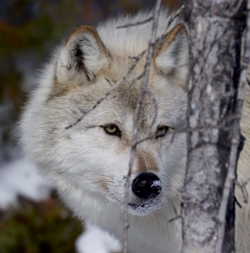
<point>138,106</point>
<point>137,59</point>
<point>170,21</point>
<point>136,23</point>
<point>242,191</point>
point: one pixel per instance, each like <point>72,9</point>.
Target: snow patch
<point>94,240</point>
<point>20,178</point>
<point>156,184</point>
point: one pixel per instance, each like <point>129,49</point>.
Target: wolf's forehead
<point>167,102</point>
<point>124,101</point>
<point>127,95</point>
<point>119,107</point>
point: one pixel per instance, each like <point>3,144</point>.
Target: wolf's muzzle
<point>146,185</point>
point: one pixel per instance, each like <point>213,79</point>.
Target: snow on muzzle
<point>146,186</point>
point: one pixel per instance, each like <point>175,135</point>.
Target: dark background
<point>29,30</point>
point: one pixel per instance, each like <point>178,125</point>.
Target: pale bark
<point>213,113</point>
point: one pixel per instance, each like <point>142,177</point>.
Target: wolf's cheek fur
<point>99,159</point>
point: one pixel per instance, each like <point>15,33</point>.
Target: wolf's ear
<point>82,56</point>
<point>172,52</point>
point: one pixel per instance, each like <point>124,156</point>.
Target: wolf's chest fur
<point>88,162</point>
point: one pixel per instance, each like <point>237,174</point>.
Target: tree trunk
<point>216,28</point>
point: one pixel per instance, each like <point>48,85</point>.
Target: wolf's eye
<point>162,130</point>
<point>112,129</point>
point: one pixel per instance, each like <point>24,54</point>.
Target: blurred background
<point>31,217</point>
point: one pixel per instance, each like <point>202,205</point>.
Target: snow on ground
<point>20,178</point>
<point>94,240</point>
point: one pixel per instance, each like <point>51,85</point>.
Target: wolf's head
<point>92,156</point>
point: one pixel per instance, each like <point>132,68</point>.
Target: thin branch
<point>137,59</point>
<point>246,182</point>
<point>188,130</point>
<point>242,186</point>
<point>151,96</point>
<point>226,190</point>
<point>243,192</point>
<point>170,21</point>
<point>173,17</point>
<point>138,106</point>
<point>237,203</point>
<point>175,218</point>
<point>136,23</point>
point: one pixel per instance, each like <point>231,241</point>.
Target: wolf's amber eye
<point>162,130</point>
<point>112,130</point>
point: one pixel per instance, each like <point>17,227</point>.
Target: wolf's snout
<point>146,185</point>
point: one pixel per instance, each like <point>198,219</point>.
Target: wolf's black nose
<point>146,185</point>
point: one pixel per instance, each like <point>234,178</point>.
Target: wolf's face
<point>93,155</point>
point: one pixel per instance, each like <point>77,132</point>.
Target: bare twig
<point>242,191</point>
<point>138,106</point>
<point>235,138</point>
<point>175,218</point>
<point>237,203</point>
<point>137,59</point>
<point>173,17</point>
<point>151,96</point>
<point>188,130</point>
<point>227,188</point>
<point>242,186</point>
<point>170,21</point>
<point>246,182</point>
<point>136,23</point>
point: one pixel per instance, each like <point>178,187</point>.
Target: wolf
<point>88,161</point>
